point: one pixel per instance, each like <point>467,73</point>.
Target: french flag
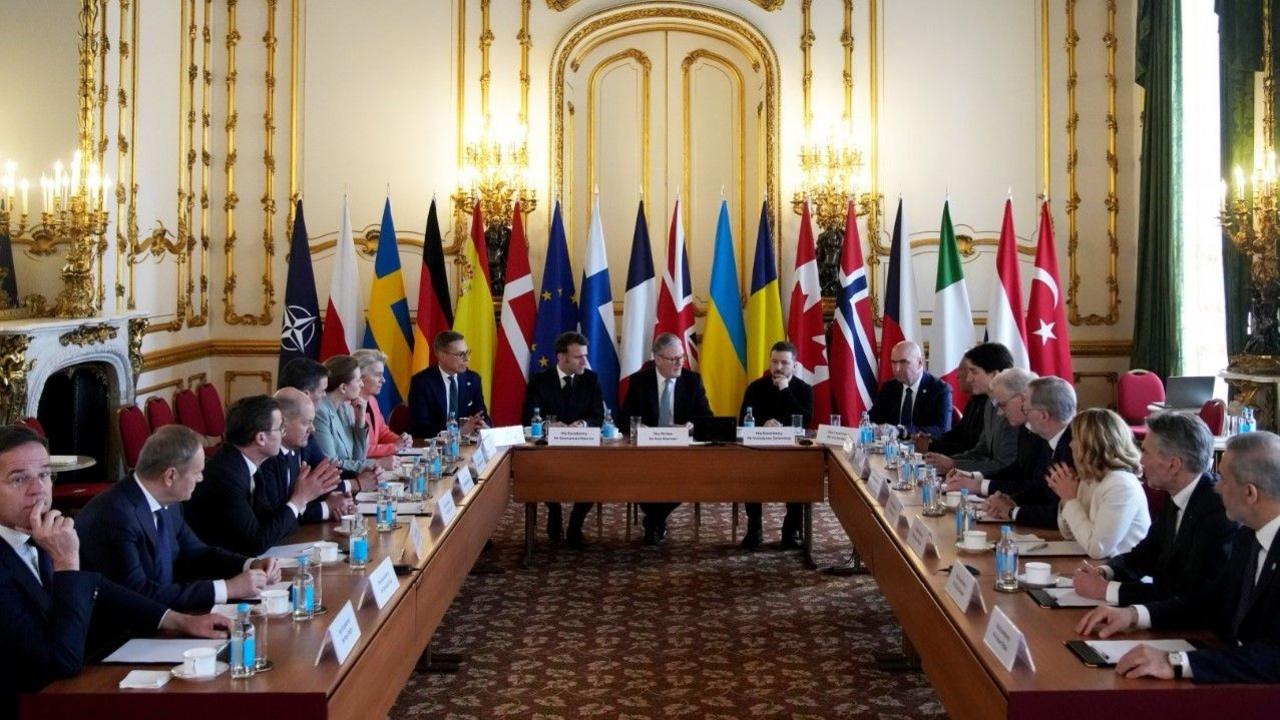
<point>639,312</point>
<point>901,320</point>
<point>853,339</point>
<point>675,299</point>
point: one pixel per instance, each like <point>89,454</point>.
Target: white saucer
<point>178,672</point>
<point>976,551</point>
<point>1022,580</point>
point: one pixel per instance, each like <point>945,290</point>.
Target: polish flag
<point>805,326</point>
<point>515,331</point>
<point>675,299</point>
<point>853,337</point>
<point>342,315</point>
<point>1048,346</point>
<point>1005,322</point>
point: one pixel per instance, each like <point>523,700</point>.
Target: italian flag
<point>952,318</point>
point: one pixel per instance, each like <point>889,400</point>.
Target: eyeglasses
<point>464,354</point>
<point>1002,404</point>
<point>676,359</point>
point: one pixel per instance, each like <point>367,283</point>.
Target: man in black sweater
<point>773,400</point>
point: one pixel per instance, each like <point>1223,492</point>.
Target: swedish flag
<point>388,328</point>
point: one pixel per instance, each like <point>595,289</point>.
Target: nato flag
<point>300,328</point>
<point>557,304</point>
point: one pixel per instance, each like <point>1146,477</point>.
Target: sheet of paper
<point>1068,598</point>
<point>1054,548</point>
<point>404,508</point>
<point>288,551</point>
<point>145,651</point>
<point>1113,650</point>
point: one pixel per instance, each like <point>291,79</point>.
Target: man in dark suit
<point>913,399</point>
<point>56,616</point>
<point>773,399</point>
<point>1020,492</point>
<point>135,534</point>
<point>1242,604</point>
<point>664,394</point>
<point>283,471</point>
<point>447,390</point>
<point>571,393</point>
<point>994,445</point>
<point>312,378</point>
<point>227,509</point>
<point>1189,540</point>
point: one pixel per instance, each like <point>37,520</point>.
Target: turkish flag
<point>1048,345</point>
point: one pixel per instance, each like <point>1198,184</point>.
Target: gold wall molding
<point>190,352</point>
<point>486,41</point>
<point>526,41</point>
<point>103,49</point>
<point>968,244</point>
<point>639,57</point>
<point>1101,348</point>
<point>1111,200</point>
<point>1046,105</point>
<point>201,318</point>
<point>263,375</point>
<point>460,85</point>
<point>678,17</point>
<point>295,193</point>
<point>846,40</point>
<point>137,330</point>
<point>126,190</point>
<point>177,384</point>
<point>686,76</point>
<point>14,367</point>
<point>806,55</point>
<point>88,334</point>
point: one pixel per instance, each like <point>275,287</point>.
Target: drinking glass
<point>835,420</point>
<point>634,428</point>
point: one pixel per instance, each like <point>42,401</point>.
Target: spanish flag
<point>474,316</point>
<point>389,329</point>
<point>764,304</point>
<point>723,360</point>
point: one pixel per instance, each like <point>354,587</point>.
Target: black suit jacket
<point>280,477</point>
<point>964,435</point>
<point>1026,480</point>
<point>429,401</point>
<point>767,402</point>
<point>1252,650</point>
<point>584,401</point>
<point>49,630</point>
<point>930,408</point>
<point>225,513</point>
<point>118,539</point>
<point>1178,564</point>
<point>689,401</point>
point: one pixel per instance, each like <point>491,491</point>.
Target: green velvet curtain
<point>1239,58</point>
<point>1157,313</point>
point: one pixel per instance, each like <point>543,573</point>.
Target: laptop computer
<point>1188,392</point>
<point>715,429</point>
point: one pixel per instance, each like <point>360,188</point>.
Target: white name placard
<point>920,537</point>
<point>893,510</point>
<point>768,436</point>
<point>465,483</point>
<point>383,582</point>
<point>875,485</point>
<point>344,631</point>
<point>1007,641</point>
<point>480,458</point>
<point>573,436</point>
<point>445,508</point>
<point>836,435</point>
<point>417,538</point>
<point>963,589</point>
<point>663,436</point>
<point>504,436</point>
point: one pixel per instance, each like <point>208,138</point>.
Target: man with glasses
<point>447,390</point>
<point>288,468</point>
<point>229,509</point>
<point>663,395</point>
<point>913,400</point>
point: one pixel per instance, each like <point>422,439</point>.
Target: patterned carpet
<point>692,629</point>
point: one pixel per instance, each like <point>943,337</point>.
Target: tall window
<point>1204,339</point>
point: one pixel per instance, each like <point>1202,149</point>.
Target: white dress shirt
<point>1180,500</point>
<point>1108,516</point>
<point>18,541</point>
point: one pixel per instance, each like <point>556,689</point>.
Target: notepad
<point>1113,650</point>
<point>145,679</point>
<point>1054,548</point>
<point>1062,598</point>
<point>146,651</point>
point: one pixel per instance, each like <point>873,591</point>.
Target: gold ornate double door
<point>660,110</point>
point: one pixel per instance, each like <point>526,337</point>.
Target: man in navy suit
<point>135,534</point>
<point>283,471</point>
<point>1189,539</point>
<point>447,390</point>
<point>56,616</point>
<point>571,393</point>
<point>663,394</point>
<point>1242,604</point>
<point>312,378</point>
<point>913,399</point>
<point>227,508</point>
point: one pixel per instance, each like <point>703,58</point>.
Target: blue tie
<point>164,551</point>
<point>453,397</point>
<point>908,408</point>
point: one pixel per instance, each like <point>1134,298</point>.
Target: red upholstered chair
<point>133,433</point>
<point>215,415</point>
<point>399,421</point>
<point>159,413</point>
<point>1136,390</point>
<point>1214,414</point>
<point>34,424</point>
<point>187,406</point>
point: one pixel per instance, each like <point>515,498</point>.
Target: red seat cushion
<point>215,416</point>
<point>187,406</point>
<point>133,433</point>
<point>159,413</point>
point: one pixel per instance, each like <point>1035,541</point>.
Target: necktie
<point>164,551</point>
<point>453,396</point>
<point>904,418</point>
<point>1247,585</point>
<point>666,410</point>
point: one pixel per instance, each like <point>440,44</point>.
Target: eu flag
<point>300,326</point>
<point>557,305</point>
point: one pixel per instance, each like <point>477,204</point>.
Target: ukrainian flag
<point>764,304</point>
<point>389,328</point>
<point>474,312</point>
<point>723,358</point>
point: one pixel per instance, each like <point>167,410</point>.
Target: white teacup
<point>974,540</point>
<point>1038,573</point>
<point>200,662</point>
<point>276,601</point>
<point>953,499</point>
<point>328,551</point>
<point>396,489</point>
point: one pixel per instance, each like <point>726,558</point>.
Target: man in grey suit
<point>997,446</point>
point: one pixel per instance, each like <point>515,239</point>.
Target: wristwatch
<point>1176,659</point>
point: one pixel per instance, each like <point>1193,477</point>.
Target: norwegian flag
<point>805,326</point>
<point>853,338</point>
<point>675,299</point>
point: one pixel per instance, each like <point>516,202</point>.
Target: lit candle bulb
<point>26,188</point>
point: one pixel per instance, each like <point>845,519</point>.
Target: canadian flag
<point>804,324</point>
<point>1047,343</point>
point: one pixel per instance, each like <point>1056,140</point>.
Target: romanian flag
<point>435,313</point>
<point>389,329</point>
<point>723,360</point>
<point>764,304</point>
<point>474,318</point>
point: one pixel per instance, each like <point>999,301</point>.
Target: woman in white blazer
<point>1102,503</point>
